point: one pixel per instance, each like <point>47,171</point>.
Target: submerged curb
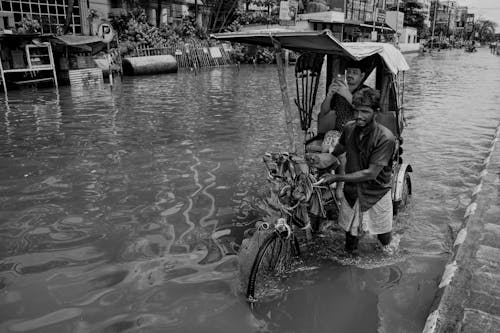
<point>447,310</point>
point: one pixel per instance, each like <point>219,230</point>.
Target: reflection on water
<point>123,210</point>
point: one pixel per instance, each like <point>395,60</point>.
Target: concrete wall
<point>102,9</point>
<point>408,36</point>
<point>409,48</point>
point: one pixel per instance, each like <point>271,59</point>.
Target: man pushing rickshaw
<point>373,183</point>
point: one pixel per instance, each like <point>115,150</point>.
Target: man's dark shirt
<point>375,147</point>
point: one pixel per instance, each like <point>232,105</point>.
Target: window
<point>49,13</point>
<point>6,6</point>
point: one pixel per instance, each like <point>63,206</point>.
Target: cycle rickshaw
<point>293,194</point>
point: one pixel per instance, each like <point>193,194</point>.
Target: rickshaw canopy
<point>321,42</point>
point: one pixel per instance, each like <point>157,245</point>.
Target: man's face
<point>363,115</point>
<point>354,76</point>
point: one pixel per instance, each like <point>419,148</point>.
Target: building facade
<point>444,16</point>
<point>86,15</point>
<point>50,15</point>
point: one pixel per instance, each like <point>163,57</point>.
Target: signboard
<point>105,31</point>
<point>288,12</point>
<point>215,52</point>
<point>380,15</point>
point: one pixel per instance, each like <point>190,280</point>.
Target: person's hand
<point>341,88</point>
<point>327,179</point>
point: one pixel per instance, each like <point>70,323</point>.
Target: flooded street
<point>123,210</point>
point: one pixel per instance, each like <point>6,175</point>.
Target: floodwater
<point>123,210</point>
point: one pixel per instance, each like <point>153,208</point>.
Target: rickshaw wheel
<point>273,259</point>
<point>401,205</point>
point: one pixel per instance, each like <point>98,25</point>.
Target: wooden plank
<point>23,70</point>
<point>46,79</point>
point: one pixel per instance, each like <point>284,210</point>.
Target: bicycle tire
<point>276,253</point>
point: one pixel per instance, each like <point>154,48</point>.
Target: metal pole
<point>375,13</point>
<point>195,11</point>
<point>397,22</point>
<point>110,69</point>
<point>448,23</point>
<point>436,4</point>
<point>52,64</point>
<point>4,84</point>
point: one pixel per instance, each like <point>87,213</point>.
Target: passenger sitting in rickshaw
<point>336,110</point>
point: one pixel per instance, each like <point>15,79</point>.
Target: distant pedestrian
<point>493,47</point>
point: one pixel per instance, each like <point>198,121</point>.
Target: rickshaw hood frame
<point>320,42</point>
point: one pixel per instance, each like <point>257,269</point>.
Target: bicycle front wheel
<point>273,258</point>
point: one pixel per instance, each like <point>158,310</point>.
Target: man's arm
<point>325,106</point>
<point>354,177</point>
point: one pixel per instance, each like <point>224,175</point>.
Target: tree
<point>222,12</point>
<point>414,17</point>
<point>486,30</point>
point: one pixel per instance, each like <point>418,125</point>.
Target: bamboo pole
<point>292,144</point>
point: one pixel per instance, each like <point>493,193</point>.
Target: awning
<point>314,41</point>
<point>22,36</point>
<point>393,58</point>
<point>91,44</point>
<point>192,2</point>
<point>320,42</point>
<point>76,40</point>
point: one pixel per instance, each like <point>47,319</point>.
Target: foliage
<point>93,13</point>
<point>188,28</point>
<point>246,18</point>
<point>486,30</point>
<point>253,54</point>
<point>133,29</point>
<point>413,17</point>
<point>222,12</point>
<point>29,25</point>
<point>316,6</point>
<point>265,3</point>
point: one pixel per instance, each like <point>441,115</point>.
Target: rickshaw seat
<point>389,120</point>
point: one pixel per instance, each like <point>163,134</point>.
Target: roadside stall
<point>26,60</point>
<point>78,59</point>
